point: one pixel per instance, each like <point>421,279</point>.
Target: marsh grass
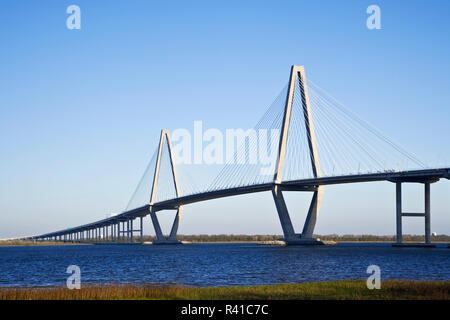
<point>348,289</point>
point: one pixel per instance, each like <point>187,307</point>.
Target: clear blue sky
<point>81,110</point>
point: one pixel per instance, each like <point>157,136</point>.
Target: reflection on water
<point>218,264</point>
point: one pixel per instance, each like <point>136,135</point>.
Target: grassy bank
<point>349,289</point>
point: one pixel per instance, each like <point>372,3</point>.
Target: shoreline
<point>328,290</point>
<point>42,244</point>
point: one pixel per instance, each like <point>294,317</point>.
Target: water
<point>217,264</point>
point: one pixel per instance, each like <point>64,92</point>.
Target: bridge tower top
<point>297,75</point>
<point>164,140</point>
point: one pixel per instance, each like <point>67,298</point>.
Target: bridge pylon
<point>160,237</point>
<point>290,237</point>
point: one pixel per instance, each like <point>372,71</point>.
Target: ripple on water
<point>217,265</point>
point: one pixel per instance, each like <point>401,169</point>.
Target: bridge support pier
<point>297,77</point>
<point>290,237</point>
<point>131,231</point>
<point>141,235</point>
<point>400,214</point>
<point>128,230</point>
<point>160,237</point>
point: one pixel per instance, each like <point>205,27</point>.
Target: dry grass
<point>350,289</point>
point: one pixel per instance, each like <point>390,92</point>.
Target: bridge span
<point>120,228</point>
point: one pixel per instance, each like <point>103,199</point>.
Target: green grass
<point>348,289</point>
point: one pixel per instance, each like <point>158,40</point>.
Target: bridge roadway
<point>421,176</point>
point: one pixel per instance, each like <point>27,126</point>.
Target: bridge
<point>320,143</point>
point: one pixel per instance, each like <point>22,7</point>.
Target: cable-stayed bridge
<point>315,141</point>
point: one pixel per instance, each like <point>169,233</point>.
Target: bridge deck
<point>426,175</point>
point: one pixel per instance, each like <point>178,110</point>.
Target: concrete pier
<point>426,215</point>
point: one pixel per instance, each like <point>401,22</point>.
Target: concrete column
<point>128,230</point>
<point>398,195</point>
<point>131,231</point>
<point>176,223</point>
<point>118,231</point>
<point>283,214</point>
<point>427,214</point>
<point>158,232</point>
<point>313,212</point>
<point>141,232</point>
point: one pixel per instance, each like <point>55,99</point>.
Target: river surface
<point>217,264</point>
